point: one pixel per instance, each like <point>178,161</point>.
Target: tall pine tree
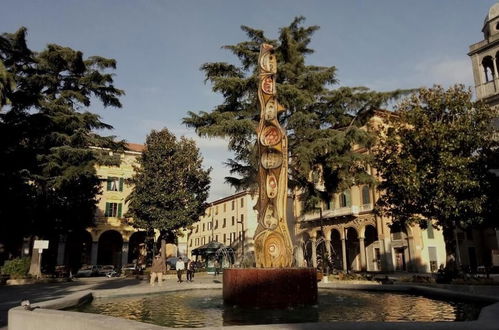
<point>49,184</point>
<point>323,124</point>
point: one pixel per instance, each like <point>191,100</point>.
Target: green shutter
<point>109,183</point>
<point>119,209</point>
<point>121,184</point>
<point>106,214</point>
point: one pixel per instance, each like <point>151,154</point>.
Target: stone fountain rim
<point>50,313</point>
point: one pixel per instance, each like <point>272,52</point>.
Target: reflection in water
<point>203,308</point>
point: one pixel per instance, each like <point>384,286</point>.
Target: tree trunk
<point>35,266</point>
<point>450,249</point>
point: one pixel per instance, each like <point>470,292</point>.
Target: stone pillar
<point>61,249</point>
<point>411,260</point>
<point>363,261</point>
<point>344,253</point>
<point>328,248</point>
<point>124,254</point>
<point>94,253</point>
<point>314,252</point>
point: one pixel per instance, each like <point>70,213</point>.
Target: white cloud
<point>445,71</point>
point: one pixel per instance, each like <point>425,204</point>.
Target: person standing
<point>190,270</point>
<point>179,266</point>
<point>157,270</point>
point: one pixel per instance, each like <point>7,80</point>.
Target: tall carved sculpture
<point>273,247</point>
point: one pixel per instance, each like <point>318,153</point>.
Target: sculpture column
<point>95,248</point>
<point>314,252</point>
<point>344,253</point>
<point>363,260</point>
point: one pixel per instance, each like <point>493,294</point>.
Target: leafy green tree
<point>49,184</point>
<point>322,124</point>
<point>433,161</point>
<point>170,186</point>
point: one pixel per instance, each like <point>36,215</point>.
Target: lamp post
<point>242,238</point>
<point>325,256</point>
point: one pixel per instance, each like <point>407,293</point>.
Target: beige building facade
<point>481,247</point>
<point>347,229</point>
<point>231,221</point>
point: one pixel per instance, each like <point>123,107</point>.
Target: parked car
<point>103,270</point>
<point>87,271</point>
<point>129,269</point>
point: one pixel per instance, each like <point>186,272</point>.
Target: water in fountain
<point>226,256</point>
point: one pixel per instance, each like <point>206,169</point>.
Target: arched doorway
<point>78,249</point>
<point>373,253</point>
<point>353,249</point>
<point>336,252</point>
<point>400,246</point>
<point>134,246</point>
<point>110,245</point>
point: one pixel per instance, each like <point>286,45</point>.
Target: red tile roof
<point>135,147</point>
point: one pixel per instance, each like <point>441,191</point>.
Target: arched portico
<point>110,248</point>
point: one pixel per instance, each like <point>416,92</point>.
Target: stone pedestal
<point>270,287</point>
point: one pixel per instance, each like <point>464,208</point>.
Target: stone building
<point>111,241</point>
<point>481,247</point>
<point>357,239</point>
<point>231,221</point>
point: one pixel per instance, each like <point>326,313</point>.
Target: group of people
<point>159,268</point>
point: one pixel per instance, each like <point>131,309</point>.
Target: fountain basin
<point>270,287</point>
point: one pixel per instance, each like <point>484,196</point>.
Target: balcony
<point>486,90</point>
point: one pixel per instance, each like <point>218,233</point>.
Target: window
<point>216,210</point>
<point>469,234</point>
<point>197,228</point>
<point>240,235</point>
<point>242,218</point>
<point>224,223</point>
<point>429,230</point>
<point>203,226</point>
<point>210,224</point>
<point>225,207</point>
<point>197,241</point>
<point>233,221</point>
<point>242,202</point>
<point>190,243</point>
<point>327,204</point>
<point>216,238</point>
<point>225,238</point>
<point>113,210</point>
<point>345,198</point>
<point>115,184</point>
<point>216,224</point>
<point>366,196</point>
<point>233,205</point>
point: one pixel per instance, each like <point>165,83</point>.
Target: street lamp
<point>325,256</point>
<point>242,239</point>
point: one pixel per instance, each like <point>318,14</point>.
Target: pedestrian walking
<point>157,270</point>
<point>190,270</point>
<point>180,266</point>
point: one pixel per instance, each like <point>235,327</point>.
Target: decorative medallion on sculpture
<point>272,240</point>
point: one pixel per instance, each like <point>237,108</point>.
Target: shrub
<point>16,268</point>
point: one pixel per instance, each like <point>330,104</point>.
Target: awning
<point>211,248</point>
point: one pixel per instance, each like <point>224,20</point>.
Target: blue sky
<point>160,45</point>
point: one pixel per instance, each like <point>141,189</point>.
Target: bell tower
<point>485,59</point>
